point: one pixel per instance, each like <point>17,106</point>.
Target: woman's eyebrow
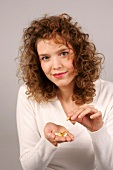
<point>58,51</point>
<point>43,55</point>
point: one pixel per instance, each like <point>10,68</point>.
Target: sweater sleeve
<point>35,151</point>
<point>103,144</point>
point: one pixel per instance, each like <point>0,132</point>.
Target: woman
<point>64,111</point>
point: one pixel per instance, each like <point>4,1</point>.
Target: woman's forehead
<point>58,42</point>
<point>45,46</point>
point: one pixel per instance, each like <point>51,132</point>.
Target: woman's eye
<point>65,53</point>
<point>45,58</point>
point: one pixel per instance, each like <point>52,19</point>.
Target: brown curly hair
<point>88,62</point>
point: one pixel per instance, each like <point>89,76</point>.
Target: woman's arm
<point>103,144</point>
<point>101,133</point>
<point>35,151</point>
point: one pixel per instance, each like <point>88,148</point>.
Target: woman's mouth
<point>59,75</point>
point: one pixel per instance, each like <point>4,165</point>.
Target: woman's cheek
<point>45,67</point>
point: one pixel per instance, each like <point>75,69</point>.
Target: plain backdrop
<point>95,16</point>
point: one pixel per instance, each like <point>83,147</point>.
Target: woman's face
<point>56,62</point>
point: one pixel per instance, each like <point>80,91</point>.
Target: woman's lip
<point>59,75</point>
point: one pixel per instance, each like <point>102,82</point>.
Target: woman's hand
<point>52,130</point>
<point>88,116</point>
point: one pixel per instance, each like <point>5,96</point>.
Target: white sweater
<point>88,151</point>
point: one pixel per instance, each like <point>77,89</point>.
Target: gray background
<point>95,16</point>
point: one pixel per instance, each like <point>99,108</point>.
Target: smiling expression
<point>57,62</point>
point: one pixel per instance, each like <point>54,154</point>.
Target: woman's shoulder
<point>104,84</point>
<point>104,87</point>
<point>23,92</point>
<point>23,89</point>
<point>24,96</point>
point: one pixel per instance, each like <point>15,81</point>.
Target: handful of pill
<point>61,134</point>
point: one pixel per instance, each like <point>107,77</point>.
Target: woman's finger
<point>86,111</point>
<point>96,115</point>
<point>78,112</point>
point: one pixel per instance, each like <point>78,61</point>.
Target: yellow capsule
<point>64,134</point>
<point>61,134</point>
<point>67,118</point>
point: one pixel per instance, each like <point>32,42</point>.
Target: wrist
<point>53,143</point>
<point>94,129</point>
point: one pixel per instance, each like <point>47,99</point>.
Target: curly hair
<point>88,62</point>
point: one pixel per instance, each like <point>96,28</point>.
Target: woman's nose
<point>56,63</point>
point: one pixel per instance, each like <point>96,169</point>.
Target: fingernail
<point>73,118</point>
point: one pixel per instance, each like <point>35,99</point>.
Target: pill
<point>61,134</point>
<point>68,118</point>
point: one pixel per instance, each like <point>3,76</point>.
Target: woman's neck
<point>65,94</point>
<point>65,98</point>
